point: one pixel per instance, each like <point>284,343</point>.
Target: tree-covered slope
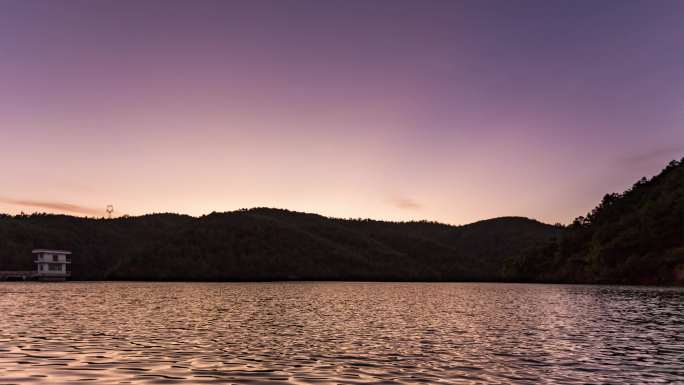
<point>635,237</point>
<point>266,244</point>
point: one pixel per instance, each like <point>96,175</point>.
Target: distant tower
<point>110,210</point>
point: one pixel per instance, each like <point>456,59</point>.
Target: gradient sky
<point>443,110</point>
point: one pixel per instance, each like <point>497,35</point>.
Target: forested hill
<point>635,237</point>
<point>269,244</point>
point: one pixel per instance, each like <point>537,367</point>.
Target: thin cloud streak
<point>655,154</point>
<point>407,204</point>
<point>56,206</point>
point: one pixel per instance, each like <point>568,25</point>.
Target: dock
<point>17,275</point>
<point>31,275</point>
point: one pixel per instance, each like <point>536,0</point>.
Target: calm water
<point>349,333</point>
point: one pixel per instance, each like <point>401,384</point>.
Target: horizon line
<point>126,216</point>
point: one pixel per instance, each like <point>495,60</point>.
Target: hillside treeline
<point>633,237</point>
<point>269,244</point>
<point>636,237</point>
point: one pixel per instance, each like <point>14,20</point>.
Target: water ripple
<point>338,333</point>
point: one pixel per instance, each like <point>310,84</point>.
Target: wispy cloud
<point>668,152</point>
<point>50,205</point>
<point>406,203</point>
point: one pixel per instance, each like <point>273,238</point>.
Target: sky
<point>453,111</point>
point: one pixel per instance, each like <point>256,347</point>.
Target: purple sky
<point>444,110</point>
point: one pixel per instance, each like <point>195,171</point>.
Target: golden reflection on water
<point>349,333</point>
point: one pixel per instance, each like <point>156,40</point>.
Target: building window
<point>54,258</point>
<point>55,267</point>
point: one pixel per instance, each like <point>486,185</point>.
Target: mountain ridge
<point>248,244</point>
<point>632,237</point>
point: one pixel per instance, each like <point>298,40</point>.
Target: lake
<point>347,333</point>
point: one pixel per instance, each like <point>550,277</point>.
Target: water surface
<point>347,333</point>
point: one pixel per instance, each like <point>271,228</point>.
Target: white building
<point>52,263</point>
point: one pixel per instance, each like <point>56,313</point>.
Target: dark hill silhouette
<point>270,244</point>
<point>634,237</point>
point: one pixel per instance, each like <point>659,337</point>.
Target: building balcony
<point>51,262</point>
